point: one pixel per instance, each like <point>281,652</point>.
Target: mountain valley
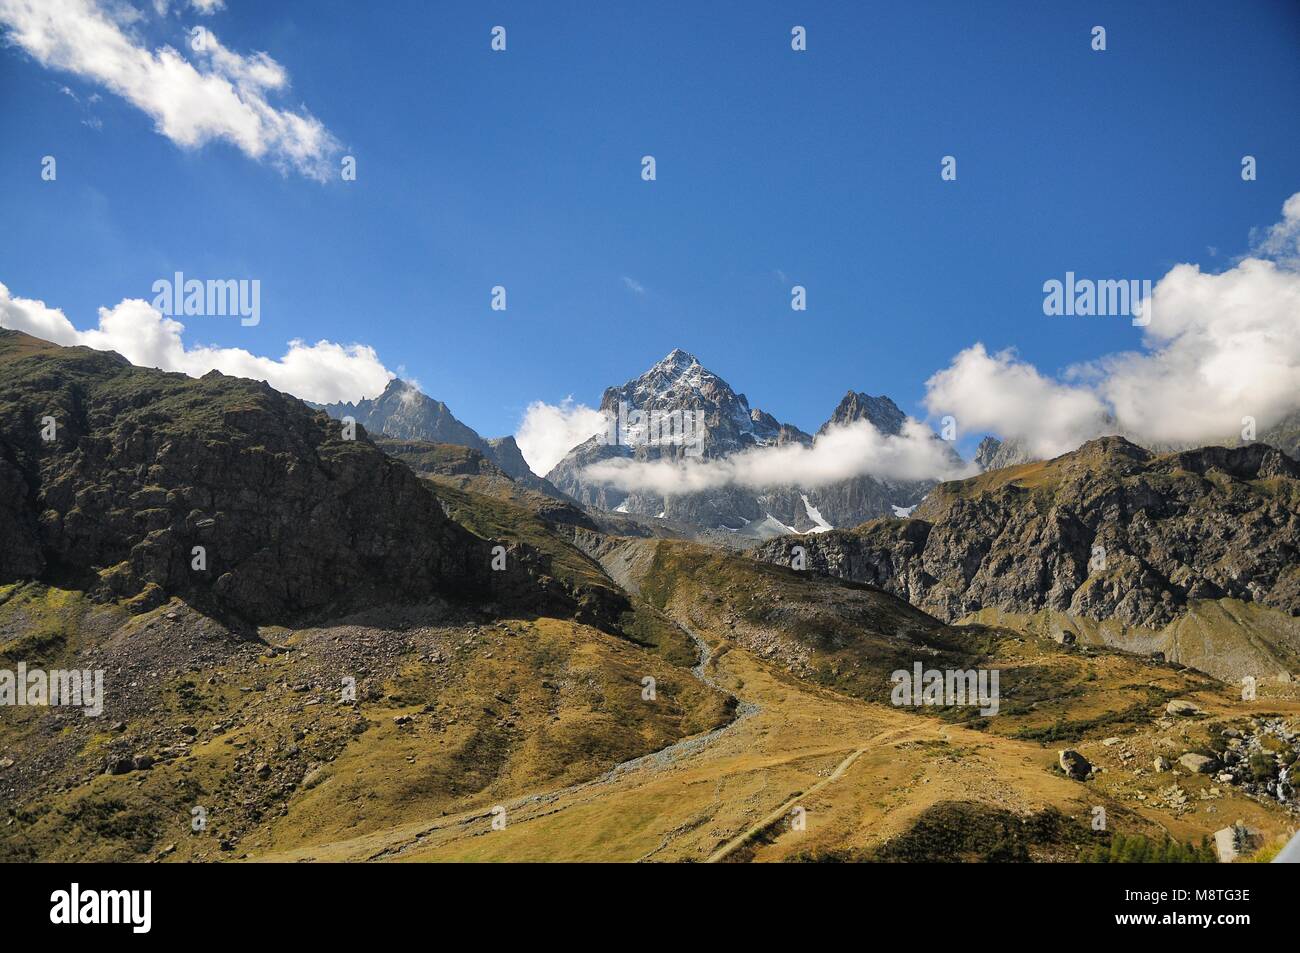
<point>399,650</point>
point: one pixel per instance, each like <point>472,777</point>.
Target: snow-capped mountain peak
<point>680,383</point>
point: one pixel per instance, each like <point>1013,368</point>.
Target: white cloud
<point>323,372</point>
<point>204,8</point>
<point>220,95</point>
<point>35,318</point>
<point>633,285</point>
<point>842,452</point>
<point>1001,393</point>
<point>1281,242</point>
<point>549,431</point>
<point>1220,347</point>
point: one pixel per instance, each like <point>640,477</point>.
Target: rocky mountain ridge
<point>1110,532</point>
<point>403,412</point>
<point>135,485</point>
<point>681,384</point>
<point>994,453</point>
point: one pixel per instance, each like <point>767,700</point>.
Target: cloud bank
<point>842,452</point>
<point>323,372</point>
<point>998,392</point>
<point>1219,348</point>
<point>219,94</point>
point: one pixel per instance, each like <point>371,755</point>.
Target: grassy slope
<point>495,709</point>
<point>873,782</point>
<point>1231,637</point>
<point>527,714</point>
<point>852,637</point>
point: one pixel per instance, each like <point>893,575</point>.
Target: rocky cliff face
<point>679,383</point>
<point>994,454</point>
<point>145,466</point>
<point>1110,531</point>
<point>1285,435</point>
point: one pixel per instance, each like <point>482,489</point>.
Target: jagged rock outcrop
<point>881,412</point>
<point>293,520</point>
<point>505,453</point>
<point>401,411</point>
<point>469,469</point>
<point>1110,531</point>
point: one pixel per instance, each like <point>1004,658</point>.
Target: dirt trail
<point>784,811</point>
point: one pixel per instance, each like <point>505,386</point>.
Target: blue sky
<point>774,167</point>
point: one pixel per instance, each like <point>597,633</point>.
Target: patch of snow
<point>815,515</point>
<point>902,512</point>
<point>621,508</point>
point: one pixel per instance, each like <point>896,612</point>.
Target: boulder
<point>1236,841</point>
<point>1075,765</point>
<point>1198,763</point>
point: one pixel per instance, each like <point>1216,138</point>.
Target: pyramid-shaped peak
<point>677,360</point>
<point>678,370</point>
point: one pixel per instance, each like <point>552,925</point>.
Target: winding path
<point>655,760</point>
